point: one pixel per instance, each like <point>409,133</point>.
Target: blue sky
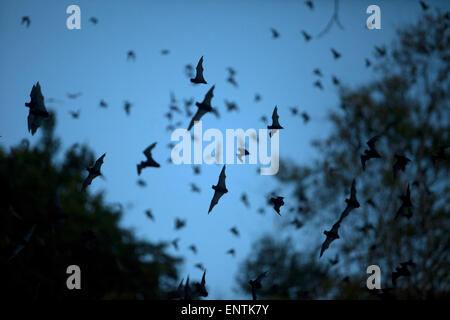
<point>230,33</point>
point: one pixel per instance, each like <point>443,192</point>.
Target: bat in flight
<point>232,81</point>
<point>405,208</point>
<point>317,72</point>
<point>400,164</point>
<point>193,248</point>
<point>149,162</point>
<point>175,243</point>
<point>242,152</point>
<point>275,124</point>
<point>203,107</point>
<point>131,55</point>
<point>277,203</point>
<point>334,261</point>
<point>26,20</point>
<point>37,112</point>
<point>234,231</point>
<point>199,73</point>
<point>257,97</point>
<point>306,35</point>
<point>256,284</point>
<point>331,236</point>
<point>244,200</point>
<point>149,214</point>
<point>370,153</point>
<point>231,106</point>
<point>381,51</point>
<point>74,96</point>
<point>352,202</point>
<point>336,81</point>
<point>94,172</point>
<point>318,84</point>
<point>200,266</point>
<point>310,4</point>
<point>231,252</point>
<point>179,223</point>
<point>93,20</point>
<point>275,33</point>
<point>424,5</point>
<point>305,117</point>
<point>402,271</point>
<point>103,104</point>
<point>195,188</point>
<point>219,190</point>
<point>336,55</point>
<point>127,107</point>
<point>75,114</point>
<point>368,63</point>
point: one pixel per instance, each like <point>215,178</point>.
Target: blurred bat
<point>234,231</point>
<point>195,188</point>
<point>401,271</point>
<point>127,107</point>
<point>352,202</point>
<point>305,117</point>
<point>149,214</point>
<point>165,52</point>
<point>242,152</point>
<point>199,73</point>
<point>257,97</point>
<point>381,51</point>
<point>256,284</point>
<point>189,70</point>
<point>297,223</point>
<point>93,20</point>
<point>74,96</point>
<point>219,190</point>
<point>232,81</point>
<point>275,33</point>
<point>370,153</point>
<point>131,55</point>
<point>193,248</point>
<point>244,200</point>
<point>103,104</point>
<point>231,106</point>
<point>318,84</point>
<point>424,5</point>
<point>368,63</point>
<point>331,236</point>
<point>231,252</point>
<point>306,35</point>
<point>200,289</point>
<point>149,162</point>
<point>336,55</point>
<point>336,81</point>
<point>277,203</point>
<point>310,4</point>
<point>26,20</point>
<point>334,261</point>
<point>175,243</point>
<point>37,112</point>
<point>75,114</point>
<point>196,170</point>
<point>203,107</point>
<point>400,164</point>
<point>406,206</point>
<point>94,172</point>
<point>179,224</point>
<point>317,72</point>
<point>141,183</point>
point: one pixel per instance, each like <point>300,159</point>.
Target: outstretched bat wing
<point>197,116</point>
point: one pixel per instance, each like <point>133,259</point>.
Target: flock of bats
<point>38,113</point>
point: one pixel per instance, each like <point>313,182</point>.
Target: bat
<point>165,52</point>
<point>37,112</point>
<point>368,63</point>
<point>199,266</point>
<point>336,81</point>
<point>74,96</point>
<point>424,5</point>
<point>231,106</point>
<point>179,224</point>
<point>75,114</point>
<point>406,206</point>
<point>93,20</point>
<point>131,55</point>
<point>330,237</point>
<point>103,104</point>
<point>310,4</point>
<point>294,111</point>
<point>317,72</point>
<point>400,164</point>
<point>381,51</point>
<point>334,261</point>
<point>242,152</point>
<point>305,117</point>
<point>26,20</point>
<point>149,214</point>
<point>193,248</point>
<point>231,71</point>
<point>263,119</point>
<point>231,252</point>
<point>234,231</point>
<point>199,73</point>
<point>149,162</point>
<point>336,55</point>
<point>306,35</point>
<point>195,188</point>
<point>275,33</point>
<point>196,170</point>
<point>261,211</point>
<point>203,107</point>
<point>256,284</point>
<point>257,97</point>
<point>277,204</point>
<point>189,70</point>
<point>244,200</point>
<point>219,190</point>
<point>127,106</point>
<point>401,271</point>
<point>318,84</point>
<point>187,290</point>
<point>141,183</point>
<point>232,81</point>
<point>94,172</point>
<point>275,124</point>
<point>352,202</point>
<point>370,153</point>
<point>175,243</point>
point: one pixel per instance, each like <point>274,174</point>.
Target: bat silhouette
<point>310,4</point>
<point>334,261</point>
<point>195,188</point>
<point>244,200</point>
<point>424,5</point>
<point>294,111</point>
<point>231,106</point>
<point>261,211</point>
<point>200,288</point>
<point>318,84</point>
<point>93,20</point>
<point>263,119</point>
<point>234,231</point>
<point>275,33</point>
<point>232,81</point>
<point>37,112</point>
<point>74,96</point>
<point>94,172</point>
<point>179,224</point>
<point>257,97</point>
<point>275,124</point>
<point>165,52</point>
<point>336,55</point>
<point>400,164</point>
<point>336,81</point>
<point>200,266</point>
<point>189,70</point>
<point>103,104</point>
<point>75,114</point>
<point>131,55</point>
<point>256,284</point>
<point>317,72</point>
<point>231,71</point>
<point>231,252</point>
<point>127,107</point>
<point>149,214</point>
<point>203,107</point>
<point>406,206</point>
<point>381,51</point>
<point>196,169</point>
<point>193,248</point>
<point>175,243</point>
<point>368,63</point>
<point>199,73</point>
<point>331,236</point>
<point>277,203</point>
<point>352,202</point>
<point>402,271</point>
<point>219,190</point>
<point>26,239</point>
<point>149,162</point>
<point>306,35</point>
<point>305,117</point>
<point>297,223</point>
<point>370,153</point>
<point>26,20</point>
<point>242,152</point>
